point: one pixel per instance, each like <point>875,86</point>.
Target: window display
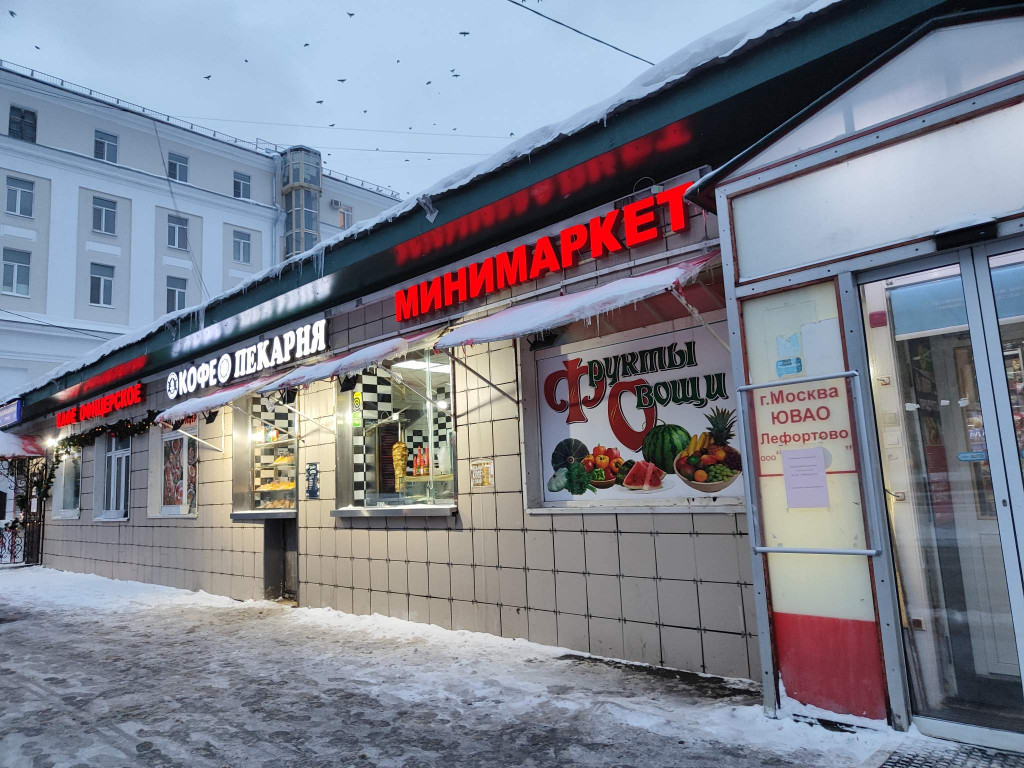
<point>180,474</point>
<point>403,433</point>
<point>273,440</point>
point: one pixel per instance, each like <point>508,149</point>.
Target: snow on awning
<point>20,446</point>
<point>353,362</point>
<point>196,405</point>
<point>535,316</point>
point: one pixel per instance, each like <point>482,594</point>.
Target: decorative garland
<point>64,446</point>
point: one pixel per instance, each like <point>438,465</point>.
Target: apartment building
<point>115,214</point>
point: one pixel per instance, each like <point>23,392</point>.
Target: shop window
<point>67,491</point>
<point>114,476</point>
<point>265,455</point>
<point>179,481</point>
<point>400,436</point>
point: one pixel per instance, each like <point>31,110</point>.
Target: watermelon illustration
<point>642,476</point>
<point>567,452</point>
<point>662,444</point>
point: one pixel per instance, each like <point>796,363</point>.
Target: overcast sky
<point>517,70</point>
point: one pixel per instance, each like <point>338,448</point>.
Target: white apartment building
<point>115,214</point>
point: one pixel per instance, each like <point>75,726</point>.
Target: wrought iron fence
<point>12,547</point>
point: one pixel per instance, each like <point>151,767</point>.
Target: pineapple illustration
<point>721,427</point>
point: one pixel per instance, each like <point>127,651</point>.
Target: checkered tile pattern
<point>376,392</point>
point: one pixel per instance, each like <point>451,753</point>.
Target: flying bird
<point>463,33</point>
<point>511,133</point>
<point>305,45</point>
<point>38,48</point>
<point>452,69</point>
<point>364,111</point>
<point>342,79</point>
<point>207,77</point>
<point>246,61</point>
<point>398,61</point>
<point>13,14</point>
<point>320,101</point>
<point>330,126</point>
<point>456,75</point>
<point>429,81</point>
<point>350,14</point>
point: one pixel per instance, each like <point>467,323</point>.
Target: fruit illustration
<point>662,444</point>
<point>708,463</point>
<point>624,470</point>
<point>588,463</point>
<point>616,464</point>
<point>600,450</point>
<point>643,475</point>
<point>601,460</point>
<point>613,453</point>
<point>568,451</point>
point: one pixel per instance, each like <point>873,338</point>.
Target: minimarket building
<point>512,407</point>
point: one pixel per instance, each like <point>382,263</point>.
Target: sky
<point>401,118</point>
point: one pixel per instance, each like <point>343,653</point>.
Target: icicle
<point>202,316</point>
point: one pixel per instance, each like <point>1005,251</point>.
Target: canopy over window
<point>544,315</point>
<point>20,446</point>
<point>353,362</point>
<point>196,405</point>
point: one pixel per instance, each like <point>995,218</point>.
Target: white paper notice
<point>803,471</point>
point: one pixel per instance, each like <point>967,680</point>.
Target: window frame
<point>240,245</point>
<point>107,215</point>
<point>180,294</point>
<point>241,183</point>
<point>103,145</point>
<point>16,268</point>
<point>105,282</point>
<point>60,512</point>
<point>20,195</point>
<point>34,122</point>
<point>177,229</point>
<point>345,217</point>
<point>244,447</point>
<point>175,163</point>
<point>347,442</point>
<point>189,449</point>
<point>120,466</point>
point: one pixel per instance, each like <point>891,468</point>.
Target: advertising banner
<point>651,419</point>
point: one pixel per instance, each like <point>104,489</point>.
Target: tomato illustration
<point>600,450</point>
<point>588,464</point>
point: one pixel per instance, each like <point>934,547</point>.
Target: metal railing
<point>262,146</point>
<point>12,546</point>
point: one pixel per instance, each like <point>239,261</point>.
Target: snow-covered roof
<point>716,45</point>
<point>533,317</point>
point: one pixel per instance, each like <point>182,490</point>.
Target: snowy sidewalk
<point>95,672</point>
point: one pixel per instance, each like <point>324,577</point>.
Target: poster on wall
<point>647,420</point>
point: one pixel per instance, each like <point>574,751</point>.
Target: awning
<point>353,362</point>
<point>196,405</point>
<point>535,316</point>
<point>20,446</point>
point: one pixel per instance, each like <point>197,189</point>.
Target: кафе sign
<point>306,340</point>
<point>649,419</point>
<point>101,406</point>
<point>638,222</point>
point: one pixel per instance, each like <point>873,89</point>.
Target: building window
<point>241,247</point>
<point>22,124</point>
<point>345,217</point>
<point>104,216</point>
<point>177,166</point>
<point>16,268</point>
<point>177,232</point>
<point>117,457</point>
<point>264,463</point>
<point>68,493</point>
<point>243,185</point>
<point>180,474</point>
<point>401,445</point>
<point>20,196</point>
<point>104,147</point>
<point>176,287</point>
<point>101,285</point>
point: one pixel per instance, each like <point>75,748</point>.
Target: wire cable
<point>55,325</point>
<point>579,32</point>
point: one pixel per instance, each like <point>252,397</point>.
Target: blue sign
<point>10,413</point>
<point>973,456</point>
<point>313,480</point>
<point>788,366</point>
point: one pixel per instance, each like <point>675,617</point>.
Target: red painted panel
<point>835,664</point>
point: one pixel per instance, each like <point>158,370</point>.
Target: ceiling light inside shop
<point>419,365</point>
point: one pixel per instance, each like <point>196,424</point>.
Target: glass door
<point>941,429</point>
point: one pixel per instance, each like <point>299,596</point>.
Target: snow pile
<point>532,317</point>
<point>716,45</point>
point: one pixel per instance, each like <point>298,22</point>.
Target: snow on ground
<point>99,672</point>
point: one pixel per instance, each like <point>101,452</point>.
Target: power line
<point>580,32</point>
<point>55,325</point>
<point>343,128</point>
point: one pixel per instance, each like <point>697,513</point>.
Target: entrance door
<point>948,389</point>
